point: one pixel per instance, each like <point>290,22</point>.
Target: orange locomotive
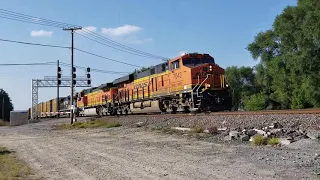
<point>191,82</point>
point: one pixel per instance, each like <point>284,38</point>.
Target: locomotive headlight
<point>208,85</point>
<point>185,87</point>
<point>227,85</point>
<point>210,68</point>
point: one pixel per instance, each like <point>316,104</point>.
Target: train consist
<point>189,83</point>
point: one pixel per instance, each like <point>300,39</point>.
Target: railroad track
<point>264,112</point>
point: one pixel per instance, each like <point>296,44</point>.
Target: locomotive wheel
<point>186,109</point>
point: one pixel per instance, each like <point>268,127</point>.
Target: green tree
<point>289,53</point>
<point>6,101</point>
<point>142,69</point>
<point>241,81</point>
<point>255,102</point>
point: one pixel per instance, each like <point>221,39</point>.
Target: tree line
<point>288,73</point>
<point>5,105</point>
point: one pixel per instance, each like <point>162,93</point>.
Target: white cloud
<point>41,33</point>
<point>90,28</point>
<point>135,40</point>
<point>121,31</point>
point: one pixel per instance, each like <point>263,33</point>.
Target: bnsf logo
<point>141,85</point>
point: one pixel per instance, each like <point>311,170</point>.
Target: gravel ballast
<point>301,121</point>
<point>133,152</point>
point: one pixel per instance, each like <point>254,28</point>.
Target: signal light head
<point>88,69</point>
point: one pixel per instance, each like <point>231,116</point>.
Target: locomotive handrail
<point>201,84</point>
<point>192,99</point>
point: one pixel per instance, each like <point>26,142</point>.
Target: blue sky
<point>220,28</point>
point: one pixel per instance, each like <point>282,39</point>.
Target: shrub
<point>3,123</point>
<point>255,102</point>
<point>273,141</point>
<point>258,140</point>
<point>197,129</point>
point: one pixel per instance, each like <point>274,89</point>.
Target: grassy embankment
<point>3,123</point>
<point>90,124</point>
<point>10,167</point>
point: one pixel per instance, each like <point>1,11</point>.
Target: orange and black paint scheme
<point>190,82</point>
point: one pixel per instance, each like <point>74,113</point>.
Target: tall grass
<point>10,168</point>
<point>3,123</point>
<point>90,124</point>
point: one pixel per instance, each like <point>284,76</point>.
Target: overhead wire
<point>106,58</point>
<point>93,35</point>
<point>28,64</point>
<point>97,40</point>
<point>55,46</point>
<point>34,44</point>
<point>92,69</point>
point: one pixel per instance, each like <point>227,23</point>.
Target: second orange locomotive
<point>190,82</point>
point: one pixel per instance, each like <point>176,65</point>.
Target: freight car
<point>188,83</point>
<point>49,109</point>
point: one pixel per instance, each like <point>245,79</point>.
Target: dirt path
<point>132,153</point>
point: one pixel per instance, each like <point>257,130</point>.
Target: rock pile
<point>275,130</point>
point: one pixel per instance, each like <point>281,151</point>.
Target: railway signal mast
<point>59,75</point>
<point>72,29</point>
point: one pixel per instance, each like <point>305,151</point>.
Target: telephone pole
<point>58,77</point>
<point>72,29</point>
<point>3,108</point>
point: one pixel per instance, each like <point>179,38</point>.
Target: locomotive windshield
<point>196,61</point>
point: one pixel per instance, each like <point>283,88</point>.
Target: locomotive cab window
<point>175,64</point>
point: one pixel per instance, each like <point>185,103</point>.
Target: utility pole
<point>72,29</point>
<point>3,108</point>
<point>58,78</point>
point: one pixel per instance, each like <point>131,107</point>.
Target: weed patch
<point>4,150</point>
<point>197,129</point>
<point>10,168</point>
<point>3,123</point>
<point>90,124</point>
<point>258,140</point>
<point>273,141</point>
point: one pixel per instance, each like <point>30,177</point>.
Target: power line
<point>34,44</point>
<point>105,44</point>
<point>94,70</point>
<point>63,64</point>
<point>28,64</point>
<point>55,46</point>
<point>133,51</point>
<point>36,20</point>
<point>106,58</point>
